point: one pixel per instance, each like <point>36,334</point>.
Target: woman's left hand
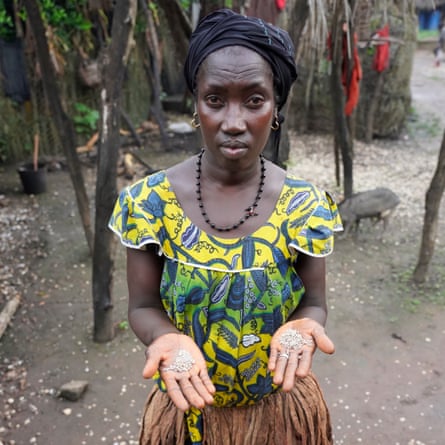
<point>292,348</point>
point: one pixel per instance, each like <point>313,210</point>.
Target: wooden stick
<point>141,161</point>
<point>89,145</point>
<point>36,152</point>
<point>131,127</point>
<point>8,312</point>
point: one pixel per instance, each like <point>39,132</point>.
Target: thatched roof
<point>429,4</point>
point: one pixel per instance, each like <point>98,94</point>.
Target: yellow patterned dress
<point>229,295</point>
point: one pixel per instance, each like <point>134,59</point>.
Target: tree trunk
<point>342,135</point>
<point>64,124</point>
<point>373,103</point>
<point>114,63</point>
<point>297,20</point>
<point>154,73</point>
<point>390,106</point>
<point>432,206</point>
<point>178,25</point>
<point>208,6</point>
<point>265,9</point>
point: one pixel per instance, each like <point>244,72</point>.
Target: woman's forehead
<point>236,59</point>
<point>235,51</point>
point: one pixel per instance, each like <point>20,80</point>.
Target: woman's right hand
<point>182,368</point>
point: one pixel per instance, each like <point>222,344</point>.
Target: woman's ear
<point>195,120</point>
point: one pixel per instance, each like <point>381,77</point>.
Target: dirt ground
<point>385,383</point>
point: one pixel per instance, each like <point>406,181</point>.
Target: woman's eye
<point>213,100</point>
<point>255,101</point>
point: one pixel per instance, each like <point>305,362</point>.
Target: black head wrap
<point>227,28</point>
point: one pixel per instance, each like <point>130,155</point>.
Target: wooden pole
<point>8,312</point>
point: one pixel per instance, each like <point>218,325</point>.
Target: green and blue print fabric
<point>229,295</point>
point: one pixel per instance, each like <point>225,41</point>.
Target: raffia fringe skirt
<point>300,417</point>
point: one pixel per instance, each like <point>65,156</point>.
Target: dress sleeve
<point>315,237</point>
<point>134,224</point>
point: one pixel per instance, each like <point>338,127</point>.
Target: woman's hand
<point>292,348</point>
<point>182,368</point>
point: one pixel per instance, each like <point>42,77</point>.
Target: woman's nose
<point>234,121</point>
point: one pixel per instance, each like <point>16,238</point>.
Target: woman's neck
<point>237,174</point>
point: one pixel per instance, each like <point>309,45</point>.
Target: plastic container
<point>33,181</point>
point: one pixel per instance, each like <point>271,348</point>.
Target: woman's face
<point>235,102</point>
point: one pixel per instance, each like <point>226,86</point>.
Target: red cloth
<point>352,85</point>
<point>281,4</point>
<point>381,57</point>
<point>352,89</point>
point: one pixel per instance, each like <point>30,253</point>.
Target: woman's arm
<point>305,324</point>
<point>175,355</point>
<point>146,315</point>
<point>312,272</point>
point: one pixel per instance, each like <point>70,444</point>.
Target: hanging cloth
<point>351,86</point>
<point>350,82</point>
<point>13,71</point>
<point>281,4</point>
<point>381,57</point>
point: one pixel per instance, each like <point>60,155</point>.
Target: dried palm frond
<point>316,25</point>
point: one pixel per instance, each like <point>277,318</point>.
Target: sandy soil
<point>384,384</point>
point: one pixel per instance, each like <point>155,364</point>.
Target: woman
<point>225,259</point>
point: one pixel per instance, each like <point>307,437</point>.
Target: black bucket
<point>33,181</point>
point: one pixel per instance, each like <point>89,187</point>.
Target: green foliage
<point>141,24</point>
<point>65,21</point>
<point>427,34</point>
<point>425,125</point>
<point>185,4</point>
<point>7,28</point>
<point>15,140</point>
<point>123,325</point>
<point>414,296</point>
<point>85,119</point>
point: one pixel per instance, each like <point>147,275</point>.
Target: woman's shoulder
<point>304,198</point>
<point>298,184</point>
<point>163,179</point>
<point>288,179</point>
<point>150,181</point>
<point>289,193</point>
<point>156,178</point>
<point>181,178</point>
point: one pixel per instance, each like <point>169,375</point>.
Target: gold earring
<point>275,124</point>
<point>195,121</point>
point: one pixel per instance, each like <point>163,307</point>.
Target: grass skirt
<point>300,417</point>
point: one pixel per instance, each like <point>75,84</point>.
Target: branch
<point>8,312</point>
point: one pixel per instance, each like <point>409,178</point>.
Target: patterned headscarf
<point>227,28</point>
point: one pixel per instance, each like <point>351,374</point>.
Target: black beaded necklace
<point>250,211</point>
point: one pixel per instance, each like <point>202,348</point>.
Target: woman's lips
<point>233,149</point>
<point>234,145</point>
